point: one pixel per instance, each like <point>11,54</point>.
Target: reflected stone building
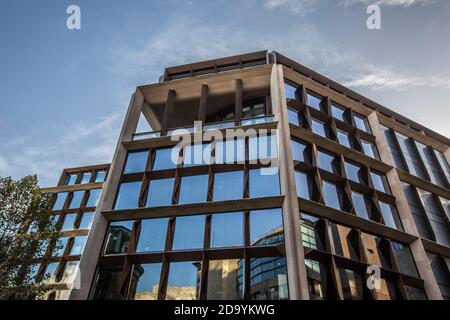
<point>353,186</point>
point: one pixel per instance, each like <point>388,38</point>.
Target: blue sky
<point>64,94</point>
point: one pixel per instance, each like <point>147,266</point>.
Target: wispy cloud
<point>81,144</point>
<point>300,7</point>
<point>391,3</point>
<point>388,78</point>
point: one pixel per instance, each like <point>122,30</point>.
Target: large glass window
<point>136,162</point>
<point>268,278</point>
<point>317,279</point>
<point>86,177</point>
<point>289,91</point>
<point>325,161</point>
<point>416,210</point>
<point>359,205</point>
<point>101,176</point>
<point>69,222</point>
<point>228,185</point>
<point>227,230</point>
<point>76,199</point>
<point>264,183</point>
<point>94,196</point>
<point>197,154</point>
<point>117,237</point>
<point>444,164</point>
<point>50,272</point>
<point>310,231</point>
<point>393,148</point>
<point>78,245</point>
<point>152,236</point>
<point>404,259</point>
<point>106,283</point>
<point>361,123</point>
<point>146,278</point>
<point>369,149</point>
<point>410,155</point>
<point>376,253</point>
<point>184,280</point>
<point>189,232</point>
<point>223,281</point>
<point>230,151</point>
<point>193,189</point>
<point>345,242</point>
<point>318,127</point>
<point>128,195</point>
<point>86,220</point>
<point>266,227</point>
<point>352,171</point>
<point>262,147</point>
<point>352,284</point>
<point>435,216</point>
<point>379,182</point>
<point>166,158</point>
<point>430,165</point>
<point>331,195</point>
<point>302,185</point>
<point>293,117</point>
<point>343,138</point>
<point>60,200</point>
<point>440,268</point>
<point>71,179</point>
<point>313,100</point>
<point>60,247</point>
<point>298,150</point>
<point>160,192</point>
<point>337,111</point>
<point>390,215</point>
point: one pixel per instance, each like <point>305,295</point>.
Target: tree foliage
<point>26,229</point>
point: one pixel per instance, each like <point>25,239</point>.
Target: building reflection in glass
<point>145,281</point>
<point>117,237</point>
<point>184,280</point>
<point>225,279</point>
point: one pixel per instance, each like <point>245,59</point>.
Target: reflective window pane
<point>293,117</point>
<point>94,196</point>
<point>359,204</point>
<point>404,259</point>
<point>136,162</point>
<point>152,236</point>
<point>302,185</point>
<point>227,230</point>
<point>105,286</point>
<point>310,230</point>
<point>352,171</point>
<point>117,237</point>
<point>318,127</point>
<point>262,147</point>
<point>289,91</point>
<point>331,196</point>
<point>298,151</point>
<point>228,185</point>
<point>71,179</point>
<point>337,111</point>
<point>352,284</point>
<point>128,195</point>
<point>343,138</point>
<point>266,227</point>
<point>264,183</point>
<point>60,200</point>
<point>69,222</point>
<point>361,123</point>
<point>268,278</point>
<point>379,182</point>
<point>145,281</point>
<point>189,232</point>
<point>76,199</point>
<point>376,252</point>
<point>369,149</point>
<point>390,216</point>
<point>86,220</point>
<point>413,293</point>
<point>313,101</point>
<point>325,161</point>
<point>345,241</point>
<point>223,280</point>
<point>317,279</point>
<point>197,155</point>
<point>86,177</point>
<point>70,271</point>
<point>184,280</point>
<point>160,192</point>
<point>193,189</point>
<point>101,176</point>
<point>78,245</point>
<point>50,272</point>
<point>229,151</point>
<point>60,247</point>
<point>167,158</point>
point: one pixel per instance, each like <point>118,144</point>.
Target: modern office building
<point>316,187</point>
